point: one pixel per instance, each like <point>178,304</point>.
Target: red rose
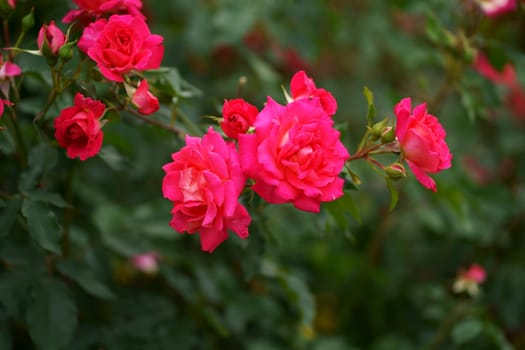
<point>422,141</point>
<point>302,86</point>
<point>121,44</point>
<point>88,9</point>
<point>238,116</point>
<point>78,128</point>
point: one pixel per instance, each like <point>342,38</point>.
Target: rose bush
<point>204,182</point>
<point>120,45</point>
<point>78,128</point>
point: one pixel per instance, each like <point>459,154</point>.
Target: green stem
<point>192,128</point>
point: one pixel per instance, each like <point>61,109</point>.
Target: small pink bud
<point>469,280</point>
<point>396,171</point>
<point>51,36</point>
<point>144,100</point>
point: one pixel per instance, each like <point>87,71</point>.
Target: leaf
<point>466,331</point>
<point>394,194</point>
<point>298,292</point>
<point>42,158</point>
<point>8,215</point>
<point>42,225</point>
<point>54,199</point>
<point>86,279</point>
<point>369,95</point>
<point>51,315</point>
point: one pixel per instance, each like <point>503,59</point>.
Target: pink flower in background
<point>508,78</point>
<point>238,116</point>
<point>469,280</point>
<point>52,35</point>
<point>11,3</point>
<point>493,8</point>
<point>96,8</point>
<point>78,127</point>
<point>120,45</point>
<point>147,262</point>
<point>8,70</point>
<point>422,141</point>
<point>204,182</point>
<point>302,86</point>
<point>295,155</point>
<point>2,104</point>
<point>144,100</point>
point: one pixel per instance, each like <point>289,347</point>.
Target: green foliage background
<point>356,276</point>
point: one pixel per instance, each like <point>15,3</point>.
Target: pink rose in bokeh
<point>238,116</point>
<point>147,262</point>
<point>8,70</point>
<point>295,155</point>
<point>120,45</point>
<point>508,78</point>
<point>52,36</point>
<point>89,9</point>
<point>302,86</point>
<point>78,127</point>
<point>2,104</point>
<point>144,100</point>
<point>422,141</point>
<point>469,280</point>
<point>493,8</point>
<point>204,182</point>
<point>11,3</point>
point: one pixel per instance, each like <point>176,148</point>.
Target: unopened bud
<point>28,21</point>
<point>378,128</point>
<point>396,171</point>
<point>66,52</point>
<point>388,135</point>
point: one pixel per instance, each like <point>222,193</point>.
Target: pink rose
<point>204,181</point>
<point>422,141</point>
<point>144,100</point>
<point>493,8</point>
<point>238,116</point>
<point>95,8</point>
<point>147,262</point>
<point>51,36</point>
<point>121,44</point>
<point>11,3</point>
<point>78,128</point>
<point>302,86</point>
<point>8,70</point>
<point>295,155</point>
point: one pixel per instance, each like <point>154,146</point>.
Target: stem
<point>459,311</point>
<point>194,129</point>
<point>173,129</point>
<point>7,39</point>
<point>68,211</point>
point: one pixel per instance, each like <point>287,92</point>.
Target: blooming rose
<point>302,86</point>
<point>121,44</point>
<point>95,8</point>
<point>144,100</point>
<point>78,128</point>
<point>204,182</point>
<point>238,115</point>
<point>494,8</point>
<point>422,141</point>
<point>295,155</point>
<point>51,36</point>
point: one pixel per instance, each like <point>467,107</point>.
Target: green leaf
<point>8,215</point>
<point>394,194</point>
<point>299,293</point>
<point>466,331</point>
<point>85,279</point>
<point>51,315</point>
<point>42,225</point>
<point>54,199</point>
<point>42,158</point>
<point>369,95</point>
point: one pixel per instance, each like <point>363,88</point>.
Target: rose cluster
<point>116,37</point>
<point>289,153</point>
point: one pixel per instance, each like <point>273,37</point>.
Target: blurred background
<point>356,276</point>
